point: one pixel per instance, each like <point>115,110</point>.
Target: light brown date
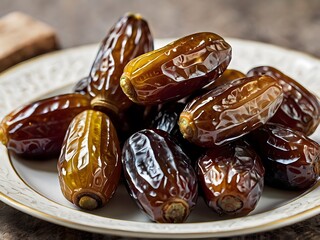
<point>128,38</point>
<point>177,69</point>
<point>230,111</point>
<point>89,166</point>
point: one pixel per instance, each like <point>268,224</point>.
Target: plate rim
<point>130,233</point>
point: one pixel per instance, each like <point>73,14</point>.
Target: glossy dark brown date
<point>159,176</point>
<point>231,178</point>
<point>167,117</point>
<point>177,69</point>
<point>81,86</point>
<point>291,160</point>
<point>230,111</point>
<point>167,120</point>
<point>300,109</point>
<point>128,38</point>
<point>89,166</point>
<point>133,119</point>
<point>37,129</point>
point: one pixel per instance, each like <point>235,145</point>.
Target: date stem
<point>104,106</point>
<point>186,127</point>
<point>230,204</point>
<point>176,211</point>
<point>127,87</point>
<point>134,15</point>
<point>89,202</point>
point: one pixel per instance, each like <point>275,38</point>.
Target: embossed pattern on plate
<point>48,74</point>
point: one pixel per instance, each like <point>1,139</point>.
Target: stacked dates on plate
<point>186,125</point>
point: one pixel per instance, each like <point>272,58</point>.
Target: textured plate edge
<point>129,233</point>
<point>279,223</point>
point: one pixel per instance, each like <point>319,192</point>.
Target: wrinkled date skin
<point>231,177</point>
<point>133,119</point>
<point>37,130</point>
<point>167,120</point>
<point>230,111</point>
<point>291,160</point>
<point>129,38</point>
<point>300,109</point>
<point>167,117</point>
<point>177,69</point>
<point>89,166</point>
<point>227,76</point>
<point>81,86</point>
<point>159,176</point>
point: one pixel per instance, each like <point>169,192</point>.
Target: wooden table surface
<point>291,24</point>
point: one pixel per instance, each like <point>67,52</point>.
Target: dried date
<point>227,76</point>
<point>159,176</point>
<point>291,160</point>
<point>230,111</point>
<point>81,86</point>
<point>231,177</point>
<point>89,165</point>
<point>128,38</point>
<point>37,130</point>
<point>300,109</point>
<point>167,120</point>
<point>177,69</point>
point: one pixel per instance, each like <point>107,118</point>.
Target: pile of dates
<point>175,123</point>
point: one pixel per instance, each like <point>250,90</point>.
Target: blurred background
<point>292,24</point>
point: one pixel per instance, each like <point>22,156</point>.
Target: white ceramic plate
<point>32,186</point>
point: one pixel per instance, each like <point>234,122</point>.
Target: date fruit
<point>177,69</point>
<point>133,119</point>
<point>291,160</point>
<point>231,177</point>
<point>167,117</point>
<point>167,120</point>
<point>37,130</point>
<point>300,109</point>
<point>159,176</point>
<point>81,86</point>
<point>227,76</point>
<point>129,38</point>
<point>230,111</point>
<point>89,166</point>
